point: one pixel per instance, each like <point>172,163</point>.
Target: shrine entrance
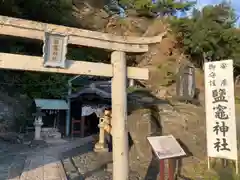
<point>88,117</point>
<point>54,60</point>
<point>89,103</point>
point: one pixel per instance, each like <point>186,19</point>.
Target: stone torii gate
<point>117,70</point>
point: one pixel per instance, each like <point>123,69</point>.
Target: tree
<point>210,32</point>
<point>159,7</point>
<point>50,11</point>
<point>170,7</point>
<point>34,84</point>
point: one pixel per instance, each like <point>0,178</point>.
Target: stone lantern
<point>38,123</point>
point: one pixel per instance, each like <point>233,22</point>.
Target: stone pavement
<point>37,162</point>
<point>45,164</point>
<point>12,158</point>
<point>43,167</point>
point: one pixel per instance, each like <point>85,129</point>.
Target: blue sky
<point>201,3</point>
<point>235,4</point>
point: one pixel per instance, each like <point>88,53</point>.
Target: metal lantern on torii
<point>105,126</point>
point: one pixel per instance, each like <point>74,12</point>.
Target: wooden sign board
<point>55,50</point>
<point>166,147</point>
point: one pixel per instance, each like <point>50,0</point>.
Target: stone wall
<point>6,119</point>
<point>13,109</point>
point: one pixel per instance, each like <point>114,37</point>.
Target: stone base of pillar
<point>100,147</point>
<point>109,167</point>
<point>37,132</point>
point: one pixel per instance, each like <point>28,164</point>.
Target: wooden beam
<point>33,63</point>
<point>39,26</point>
<point>35,30</point>
<point>78,40</point>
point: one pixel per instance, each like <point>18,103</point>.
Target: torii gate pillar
<point>119,116</point>
<point>118,70</point>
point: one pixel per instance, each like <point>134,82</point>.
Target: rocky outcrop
<point>141,124</point>
<point>147,116</point>
<point>143,121</point>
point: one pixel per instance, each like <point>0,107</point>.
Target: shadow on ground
<point>36,159</point>
<point>83,163</point>
<point>224,169</point>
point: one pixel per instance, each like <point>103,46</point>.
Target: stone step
<point>40,166</point>
<point>70,169</point>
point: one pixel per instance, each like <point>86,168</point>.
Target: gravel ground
<point>84,164</point>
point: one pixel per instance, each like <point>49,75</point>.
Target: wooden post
<point>209,162</point>
<point>68,112</point>
<point>82,126</point>
<point>119,116</point>
<point>236,166</point>
<point>131,82</point>
<point>162,169</point>
<point>170,169</point>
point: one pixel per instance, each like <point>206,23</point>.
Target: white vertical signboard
<point>220,110</point>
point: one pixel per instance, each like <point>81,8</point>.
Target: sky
<point>201,3</point>
<point>235,4</point>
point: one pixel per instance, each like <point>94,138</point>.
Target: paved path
<point>21,162</point>
<point>12,158</point>
<point>43,167</point>
<point>45,164</point>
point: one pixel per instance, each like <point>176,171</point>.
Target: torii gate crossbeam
<point>117,70</point>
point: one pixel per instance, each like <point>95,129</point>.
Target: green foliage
<point>41,85</point>
<point>52,11</point>
<point>35,84</point>
<point>209,32</point>
<point>170,7</point>
<point>162,7</point>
